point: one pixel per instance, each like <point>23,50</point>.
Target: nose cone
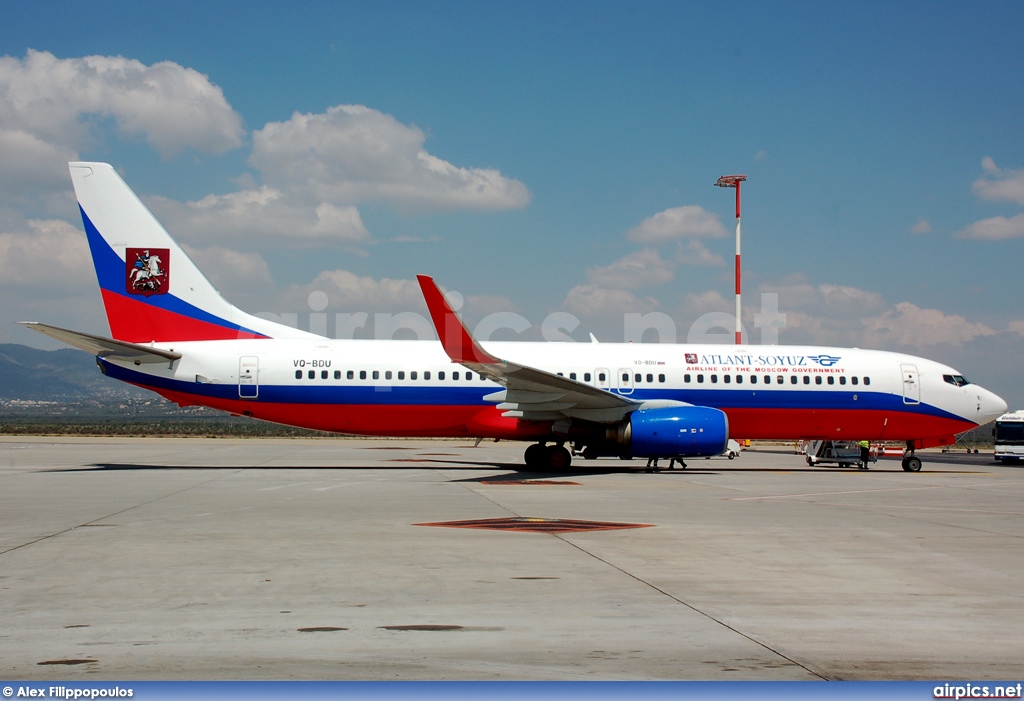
<point>990,406</point>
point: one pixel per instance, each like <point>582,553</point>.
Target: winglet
<point>456,339</point>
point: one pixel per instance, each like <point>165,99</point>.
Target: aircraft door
<point>911,385</point>
<point>624,380</point>
<point>248,377</point>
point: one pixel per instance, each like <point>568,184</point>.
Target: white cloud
<point>43,100</point>
<point>353,153</point>
<point>264,216</point>
<point>994,229</point>
<point>1000,184</point>
<point>694,252</point>
<point>690,221</point>
<point>348,291</point>
<point>639,269</point>
<point>597,301</point>
<point>49,260</point>
<point>908,325</point>
<point>243,276</point>
<point>921,226</point>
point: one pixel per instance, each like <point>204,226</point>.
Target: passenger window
<point>351,375</point>
<point>455,375</point>
<point>739,379</point>
<point>637,377</point>
<point>854,380</point>
<point>792,379</point>
<point>469,376</point>
<point>337,374</point>
<point>753,379</point>
<point>376,374</point>
<point>311,374</point>
<point>625,377</point>
<point>401,374</point>
<point>817,379</point>
<point>426,374</point>
<point>727,379</point>
<point>686,378</point>
<point>572,376</point>
<point>807,379</point>
<point>362,374</point>
<point>560,374</point>
<point>831,380</point>
<point>323,374</point>
<point>714,379</point>
<point>298,374</point>
<point>700,379</point>
<point>780,379</point>
<point>867,380</point>
<point>661,378</point>
<point>601,377</point>
<point>650,377</point>
<point>842,379</point>
<point>440,375</point>
<point>586,377</point>
<point>413,375</point>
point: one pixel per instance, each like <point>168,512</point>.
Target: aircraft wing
<point>530,393</point>
<point>104,347</point>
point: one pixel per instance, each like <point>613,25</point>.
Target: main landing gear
<point>548,457</point>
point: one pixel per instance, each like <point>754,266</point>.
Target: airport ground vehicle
<point>1009,437</point>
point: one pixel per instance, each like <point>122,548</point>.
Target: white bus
<point>1009,437</point>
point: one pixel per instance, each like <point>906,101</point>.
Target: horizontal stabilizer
<point>104,347</point>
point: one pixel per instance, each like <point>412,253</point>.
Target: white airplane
<point>172,332</point>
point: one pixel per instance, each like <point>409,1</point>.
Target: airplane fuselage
<point>411,388</point>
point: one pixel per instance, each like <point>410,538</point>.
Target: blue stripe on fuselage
<point>451,394</point>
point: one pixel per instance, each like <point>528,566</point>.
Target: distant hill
<point>67,374</point>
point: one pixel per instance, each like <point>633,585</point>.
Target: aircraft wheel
<point>912,464</point>
<point>732,456</point>
<point>810,462</point>
<point>589,453</point>
<point>558,458</point>
<point>534,455</point>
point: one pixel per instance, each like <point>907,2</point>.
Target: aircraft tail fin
<point>152,291</point>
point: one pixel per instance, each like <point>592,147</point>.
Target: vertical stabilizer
<point>152,291</point>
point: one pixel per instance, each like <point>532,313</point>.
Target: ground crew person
<point>865,453</point>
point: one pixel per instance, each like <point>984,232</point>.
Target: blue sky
<point>541,157</point>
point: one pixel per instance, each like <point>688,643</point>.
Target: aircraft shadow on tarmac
<point>520,473</point>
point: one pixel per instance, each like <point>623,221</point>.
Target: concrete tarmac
<point>133,559</point>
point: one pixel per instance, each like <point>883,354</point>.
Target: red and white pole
<point>734,182</point>
<point>739,326</point>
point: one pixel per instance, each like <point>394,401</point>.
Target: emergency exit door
<point>248,377</point>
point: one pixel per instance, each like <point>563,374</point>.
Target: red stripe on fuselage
<point>135,321</point>
<point>487,422</point>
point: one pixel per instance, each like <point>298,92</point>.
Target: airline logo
<point>147,271</point>
<point>763,361</point>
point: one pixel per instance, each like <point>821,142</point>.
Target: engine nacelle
<point>675,432</point>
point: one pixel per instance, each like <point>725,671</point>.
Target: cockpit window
<point>958,380</point>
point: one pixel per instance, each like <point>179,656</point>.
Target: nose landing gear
<point>911,463</point>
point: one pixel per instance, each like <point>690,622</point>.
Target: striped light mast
<point>734,181</point>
